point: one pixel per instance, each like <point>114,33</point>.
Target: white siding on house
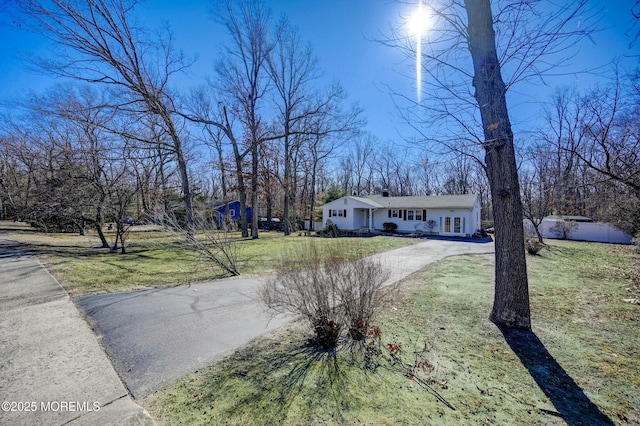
<point>346,212</point>
<point>466,219</point>
<point>448,215</point>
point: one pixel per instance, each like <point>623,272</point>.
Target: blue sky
<point>342,33</point>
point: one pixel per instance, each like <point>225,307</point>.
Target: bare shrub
<point>216,245</point>
<point>331,229</point>
<point>389,227</point>
<point>219,247</point>
<point>533,247</point>
<point>360,282</point>
<point>334,288</point>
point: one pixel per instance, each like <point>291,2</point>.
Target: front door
<point>452,225</point>
<point>365,214</point>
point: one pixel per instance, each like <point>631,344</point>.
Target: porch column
<point>370,220</point>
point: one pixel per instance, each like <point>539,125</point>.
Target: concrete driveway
<point>154,337</point>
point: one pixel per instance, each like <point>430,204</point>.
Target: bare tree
<point>99,44</point>
<point>362,155</point>
<point>85,113</point>
<point>564,128</point>
<point>243,77</point>
<point>457,176</point>
<point>55,194</point>
<point>217,118</point>
<point>511,302</point>
<point>292,68</point>
<point>594,136</point>
<point>10,175</point>
<point>320,147</point>
<point>464,63</point>
<point>539,185</point>
<point>612,143</point>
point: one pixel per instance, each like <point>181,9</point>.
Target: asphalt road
<point>154,337</point>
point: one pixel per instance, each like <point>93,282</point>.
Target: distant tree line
<point>120,142</point>
<point>117,142</point>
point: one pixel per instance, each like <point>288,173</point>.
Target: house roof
<point>216,204</point>
<point>569,218</point>
<point>360,202</point>
<point>409,202</point>
<point>428,202</point>
<point>367,201</point>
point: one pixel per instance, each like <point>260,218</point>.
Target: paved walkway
<point>154,337</point>
<point>52,368</point>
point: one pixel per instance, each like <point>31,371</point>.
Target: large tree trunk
<point>182,170</point>
<point>186,193</point>
<point>312,196</point>
<point>511,301</point>
<point>287,184</point>
<point>242,190</point>
<point>14,209</point>
<point>99,223</point>
<point>254,190</point>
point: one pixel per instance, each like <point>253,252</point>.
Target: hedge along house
<point>451,215</point>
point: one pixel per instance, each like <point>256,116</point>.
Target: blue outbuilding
<point>231,211</point>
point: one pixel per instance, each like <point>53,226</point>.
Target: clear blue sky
<point>341,32</point>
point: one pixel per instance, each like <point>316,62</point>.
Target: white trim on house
<point>455,215</point>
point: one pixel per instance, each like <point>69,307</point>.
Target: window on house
<point>340,213</point>
<point>411,214</point>
<point>418,214</point>
<point>395,213</point>
<point>456,225</point>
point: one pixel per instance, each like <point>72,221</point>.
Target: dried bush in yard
<point>215,245</point>
<point>360,282</point>
<point>334,288</point>
<point>533,247</point>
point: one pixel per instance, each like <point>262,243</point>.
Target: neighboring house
<point>231,211</point>
<point>579,228</point>
<point>455,215</point>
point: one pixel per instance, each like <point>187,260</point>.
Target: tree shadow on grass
<point>573,406</point>
<point>306,379</point>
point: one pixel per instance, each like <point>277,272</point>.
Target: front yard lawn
<point>156,258</point>
<point>442,361</point>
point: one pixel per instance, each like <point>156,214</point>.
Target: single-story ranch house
<point>452,215</point>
